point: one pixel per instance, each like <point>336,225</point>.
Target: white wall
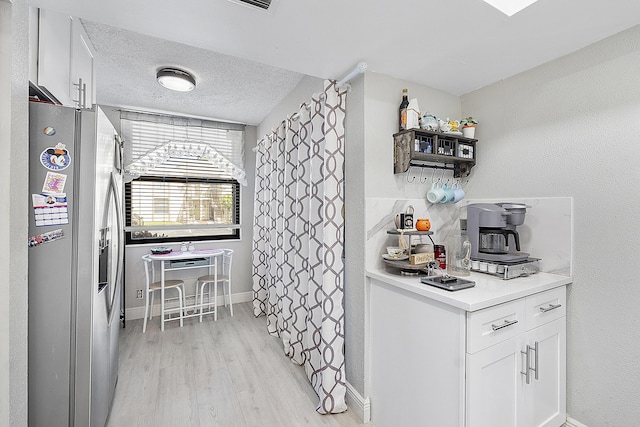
<point>242,264</point>
<point>570,128</point>
<point>289,105</point>
<point>355,235</point>
<point>382,99</point>
<point>14,176</point>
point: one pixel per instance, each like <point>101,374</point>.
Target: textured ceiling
<point>228,88</point>
<point>453,45</point>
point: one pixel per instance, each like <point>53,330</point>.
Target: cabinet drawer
<point>495,324</point>
<point>546,306</point>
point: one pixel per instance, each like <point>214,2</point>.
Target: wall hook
<point>408,173</point>
<point>422,181</point>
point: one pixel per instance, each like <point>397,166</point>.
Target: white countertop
<point>488,291</point>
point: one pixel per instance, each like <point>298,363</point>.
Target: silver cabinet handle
<point>504,325</point>
<point>527,371</point>
<point>551,307</point>
<point>82,94</point>
<point>527,363</point>
<point>535,360</point>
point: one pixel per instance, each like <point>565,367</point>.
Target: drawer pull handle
<point>551,307</point>
<point>504,325</point>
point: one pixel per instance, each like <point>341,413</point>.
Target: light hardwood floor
<point>224,373</point>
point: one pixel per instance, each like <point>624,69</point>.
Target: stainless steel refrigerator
<point>75,265</point>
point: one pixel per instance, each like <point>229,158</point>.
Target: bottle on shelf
<point>403,110</point>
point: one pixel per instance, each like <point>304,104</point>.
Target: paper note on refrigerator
<point>50,209</point>
<point>54,183</point>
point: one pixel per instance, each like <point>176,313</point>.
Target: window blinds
<point>169,146</point>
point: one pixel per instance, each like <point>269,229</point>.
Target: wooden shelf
<point>422,148</point>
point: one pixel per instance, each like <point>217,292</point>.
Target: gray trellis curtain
<point>298,241</point>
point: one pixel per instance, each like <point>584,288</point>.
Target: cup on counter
<point>436,193</point>
<point>458,193</point>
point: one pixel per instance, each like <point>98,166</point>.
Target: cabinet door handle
<point>82,94</point>
<point>527,371</point>
<point>551,307</point>
<point>527,363</point>
<point>535,360</point>
<point>504,325</point>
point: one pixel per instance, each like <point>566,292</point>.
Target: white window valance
<point>170,146</point>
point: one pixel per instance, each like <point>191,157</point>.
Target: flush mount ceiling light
<point>176,79</point>
<point>510,7</point>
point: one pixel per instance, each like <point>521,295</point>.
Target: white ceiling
<point>239,54</point>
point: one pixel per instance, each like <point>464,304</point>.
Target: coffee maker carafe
<point>492,231</point>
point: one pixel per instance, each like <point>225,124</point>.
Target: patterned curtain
<point>298,241</point>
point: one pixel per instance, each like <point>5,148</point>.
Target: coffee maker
<point>492,231</point>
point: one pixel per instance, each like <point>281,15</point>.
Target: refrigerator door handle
<point>113,192</point>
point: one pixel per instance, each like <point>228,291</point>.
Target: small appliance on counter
<point>495,243</point>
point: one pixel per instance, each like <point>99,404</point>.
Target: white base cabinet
<point>497,390</point>
<point>433,364</point>
<point>417,360</point>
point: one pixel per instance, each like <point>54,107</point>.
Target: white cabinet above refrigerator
<point>62,57</point>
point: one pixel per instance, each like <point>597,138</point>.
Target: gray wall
<point>14,174</point>
<point>570,128</point>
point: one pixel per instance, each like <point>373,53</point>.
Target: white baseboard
<point>573,423</point>
<point>133,313</point>
<point>358,404</point>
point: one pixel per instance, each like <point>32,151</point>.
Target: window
<point>183,179</point>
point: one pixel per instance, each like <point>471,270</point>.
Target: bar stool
<point>153,286</point>
<point>222,276</point>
